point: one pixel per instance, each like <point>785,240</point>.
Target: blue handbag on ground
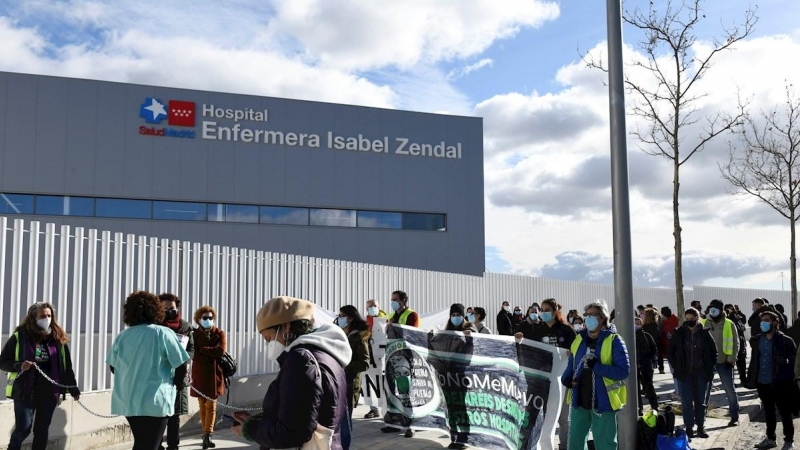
<point>678,442</point>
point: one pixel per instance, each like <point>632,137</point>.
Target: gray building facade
<point>325,180</point>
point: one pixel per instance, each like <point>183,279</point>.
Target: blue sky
<point>515,63</point>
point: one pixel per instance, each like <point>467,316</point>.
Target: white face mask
<point>44,323</point>
<point>275,348</point>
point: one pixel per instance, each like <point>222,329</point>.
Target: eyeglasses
<point>208,317</point>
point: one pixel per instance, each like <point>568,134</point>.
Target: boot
<point>205,441</point>
<point>211,444</point>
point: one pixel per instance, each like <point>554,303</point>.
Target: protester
<point>794,330</point>
<point>650,325</point>
<point>571,315</point>
<point>640,311</point>
<point>526,327</point>
<point>310,390</point>
<point>373,310</point>
<point>402,315</point>
<point>505,322</point>
<point>692,353</point>
<point>646,351</point>
<point>577,323</point>
<point>40,343</point>
<point>357,336</point>
<point>740,321</point>
<point>183,330</point>
<point>207,375</point>
<point>699,307</point>
<point>668,327</point>
<point>470,310</point>
<point>517,318</point>
<point>726,340</point>
<point>773,368</point>
<point>597,388</point>
<point>143,359</point>
<point>478,316</point>
<point>555,331</point>
<point>755,319</point>
<point>457,321</point>
<point>784,319</point>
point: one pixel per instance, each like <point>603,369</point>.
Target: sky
<point>517,64</point>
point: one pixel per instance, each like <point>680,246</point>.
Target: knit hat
<point>457,308</point>
<point>599,304</point>
<point>282,310</point>
<point>716,304</point>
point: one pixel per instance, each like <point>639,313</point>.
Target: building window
<point>424,222</point>
<point>241,213</point>
<point>124,209</point>
<point>333,217</point>
<point>16,204</point>
<point>216,212</point>
<point>179,211</point>
<point>380,219</point>
<point>56,205</point>
<point>284,215</point>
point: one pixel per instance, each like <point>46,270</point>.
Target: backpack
<point>228,365</point>
<point>665,422</point>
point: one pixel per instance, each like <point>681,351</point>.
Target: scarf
<point>174,324</point>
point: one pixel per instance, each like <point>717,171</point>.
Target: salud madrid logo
<point>178,113</point>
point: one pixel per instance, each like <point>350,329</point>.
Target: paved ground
<point>367,434</point>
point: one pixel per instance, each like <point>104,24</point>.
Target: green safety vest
<point>12,376</point>
<point>403,317</point>
<point>727,336</point>
<point>616,390</point>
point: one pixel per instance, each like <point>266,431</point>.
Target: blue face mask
<point>205,323</point>
<point>534,316</point>
<point>395,305</point>
<point>714,312</point>
<point>591,323</point>
<point>372,311</point>
<point>547,316</point>
<point>457,320</point>
<point>471,318</point>
<point>341,321</point>
<point>766,326</point>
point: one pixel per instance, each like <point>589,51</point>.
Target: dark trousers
<point>346,430</point>
<point>772,396</point>
<point>32,413</point>
<point>147,431</point>
<point>648,390</point>
<point>741,365</point>
<point>173,431</point>
<point>693,399</point>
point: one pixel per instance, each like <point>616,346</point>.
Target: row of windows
<point>56,205</point>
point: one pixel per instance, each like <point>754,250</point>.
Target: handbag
<point>228,365</point>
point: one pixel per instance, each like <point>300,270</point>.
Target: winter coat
<point>207,375</point>
<point>182,378</point>
<point>359,344</point>
<point>619,369</point>
<point>679,360</point>
<point>505,323</point>
<point>668,327</point>
<point>646,351</point>
<point>296,402</point>
<point>23,385</point>
<point>784,352</point>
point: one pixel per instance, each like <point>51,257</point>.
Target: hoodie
<point>298,401</point>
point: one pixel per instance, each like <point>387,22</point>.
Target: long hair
<point>650,316</point>
<point>556,309</point>
<point>357,322</point>
<point>29,327</point>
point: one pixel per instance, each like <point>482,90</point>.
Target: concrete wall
<point>74,428</point>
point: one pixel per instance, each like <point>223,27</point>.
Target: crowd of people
<point>160,359</point>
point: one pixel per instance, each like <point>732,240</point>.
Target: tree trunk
<point>793,270</point>
<point>678,245</point>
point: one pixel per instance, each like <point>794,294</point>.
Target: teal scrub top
<point>144,358</point>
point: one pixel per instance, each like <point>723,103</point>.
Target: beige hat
<point>282,310</point>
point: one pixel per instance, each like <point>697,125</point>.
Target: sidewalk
<point>367,434</point>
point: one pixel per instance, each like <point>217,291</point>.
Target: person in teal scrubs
<point>143,360</point>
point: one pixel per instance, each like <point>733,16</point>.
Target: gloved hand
<point>591,361</point>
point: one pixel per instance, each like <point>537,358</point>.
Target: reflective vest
<point>12,376</point>
<point>616,390</point>
<point>727,336</point>
<point>403,317</point>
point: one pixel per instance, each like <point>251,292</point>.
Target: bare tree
<point>766,165</point>
<point>667,99</point>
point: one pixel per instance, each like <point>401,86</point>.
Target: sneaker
<point>674,396</point>
<point>733,423</point>
<point>457,446</point>
<point>371,415</point>
<point>390,430</point>
<point>767,443</point>
<point>689,433</point>
<point>661,371</point>
<point>701,433</point>
<point>787,446</point>
<point>409,433</point>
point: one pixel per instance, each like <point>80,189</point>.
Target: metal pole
<point>623,283</point>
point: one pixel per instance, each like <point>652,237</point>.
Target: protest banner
<point>485,391</point>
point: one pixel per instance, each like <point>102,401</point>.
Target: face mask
<point>457,320</point>
<point>592,323</point>
<point>205,323</point>
<point>571,319</point>
<point>534,316</point>
<point>171,314</point>
<point>506,308</point>
<point>342,321</point>
<point>275,348</point>
<point>471,318</point>
<point>372,311</point>
<point>395,305</point>
<point>690,323</point>
<point>714,312</point>
<point>547,316</point>
<point>766,326</point>
<point>578,327</point>
<point>403,384</point>
<point>517,312</point>
<point>44,324</point>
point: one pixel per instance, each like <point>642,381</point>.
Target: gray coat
<point>182,372</point>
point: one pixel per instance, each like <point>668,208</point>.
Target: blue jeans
<point>36,414</point>
<point>725,372</point>
<point>693,399</point>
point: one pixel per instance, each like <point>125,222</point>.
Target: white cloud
<point>458,73</point>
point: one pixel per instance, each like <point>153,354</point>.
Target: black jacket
<point>783,355</point>
<point>505,323</point>
<point>676,353</point>
<point>23,385</point>
<point>528,329</point>
<point>646,351</point>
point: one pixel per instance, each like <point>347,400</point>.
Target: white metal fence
<point>87,274</point>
